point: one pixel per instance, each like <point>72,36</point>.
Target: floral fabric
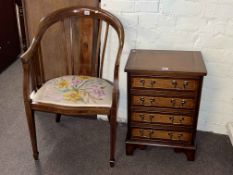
<point>75,91</point>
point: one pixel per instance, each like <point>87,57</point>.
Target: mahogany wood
<point>164,90</point>
<point>159,62</point>
<point>162,83</point>
<point>160,134</point>
<point>163,101</point>
<point>161,118</point>
<point>36,74</point>
<point>104,49</point>
<point>78,35</point>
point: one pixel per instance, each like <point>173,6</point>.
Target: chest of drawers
<point>164,90</point>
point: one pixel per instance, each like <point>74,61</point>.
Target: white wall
<point>205,25</point>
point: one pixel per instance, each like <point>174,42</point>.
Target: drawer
<point>161,134</point>
<point>163,83</point>
<point>185,103</point>
<point>161,118</point>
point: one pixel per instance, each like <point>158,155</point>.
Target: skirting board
<point>230,131</point>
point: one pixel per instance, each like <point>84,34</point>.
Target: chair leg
<point>113,126</point>
<point>32,131</point>
<point>58,118</point>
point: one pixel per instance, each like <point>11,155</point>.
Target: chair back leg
<point>113,126</point>
<point>58,118</point>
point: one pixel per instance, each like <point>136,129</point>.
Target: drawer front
<point>161,134</point>
<point>161,118</point>
<point>163,102</point>
<point>153,83</point>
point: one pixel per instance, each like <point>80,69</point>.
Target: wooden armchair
<point>66,92</point>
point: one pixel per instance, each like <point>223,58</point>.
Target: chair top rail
<point>77,11</point>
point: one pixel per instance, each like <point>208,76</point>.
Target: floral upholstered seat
<point>75,91</point>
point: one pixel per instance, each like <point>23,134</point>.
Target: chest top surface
<point>166,62</point>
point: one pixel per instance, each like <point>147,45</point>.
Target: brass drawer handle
<point>181,120</point>
<point>183,102</point>
<point>179,136</point>
<point>175,120</point>
<point>173,101</point>
<point>151,118</point>
<point>142,81</point>
<point>152,83</point>
<point>142,116</point>
<point>152,100</point>
<point>172,119</point>
<point>178,121</point>
<point>186,83</point>
<point>174,83</point>
<point>141,131</point>
<point>170,134</point>
<point>151,133</point>
<point>142,134</point>
<point>142,99</point>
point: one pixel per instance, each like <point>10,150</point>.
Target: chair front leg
<point>32,130</point>
<point>113,127</point>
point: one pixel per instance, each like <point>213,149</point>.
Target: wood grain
<point>53,45</point>
<point>163,102</point>
<point>160,62</point>
<point>162,83</point>
<point>161,118</point>
<point>34,65</point>
<point>164,89</point>
<point>161,134</point>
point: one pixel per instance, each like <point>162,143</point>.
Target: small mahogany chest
<point>164,90</point>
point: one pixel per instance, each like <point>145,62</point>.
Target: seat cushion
<point>75,91</point>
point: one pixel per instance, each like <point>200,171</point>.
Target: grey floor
<point>80,146</point>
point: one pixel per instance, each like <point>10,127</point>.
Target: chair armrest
<point>115,92</point>
<point>26,59</point>
<point>121,37</point>
<point>29,53</point>
<point>26,81</point>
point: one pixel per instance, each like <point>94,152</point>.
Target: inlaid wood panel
<point>161,134</point>
<point>185,103</point>
<point>57,42</point>
<point>161,118</point>
<point>154,83</point>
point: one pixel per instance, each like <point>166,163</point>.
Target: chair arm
<point>26,81</point>
<point>115,92</point>
<point>26,59</point>
<point>115,95</point>
<point>29,53</point>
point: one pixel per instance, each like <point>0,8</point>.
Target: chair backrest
<point>67,21</point>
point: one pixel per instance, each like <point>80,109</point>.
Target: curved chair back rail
<point>98,14</point>
<point>34,72</point>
